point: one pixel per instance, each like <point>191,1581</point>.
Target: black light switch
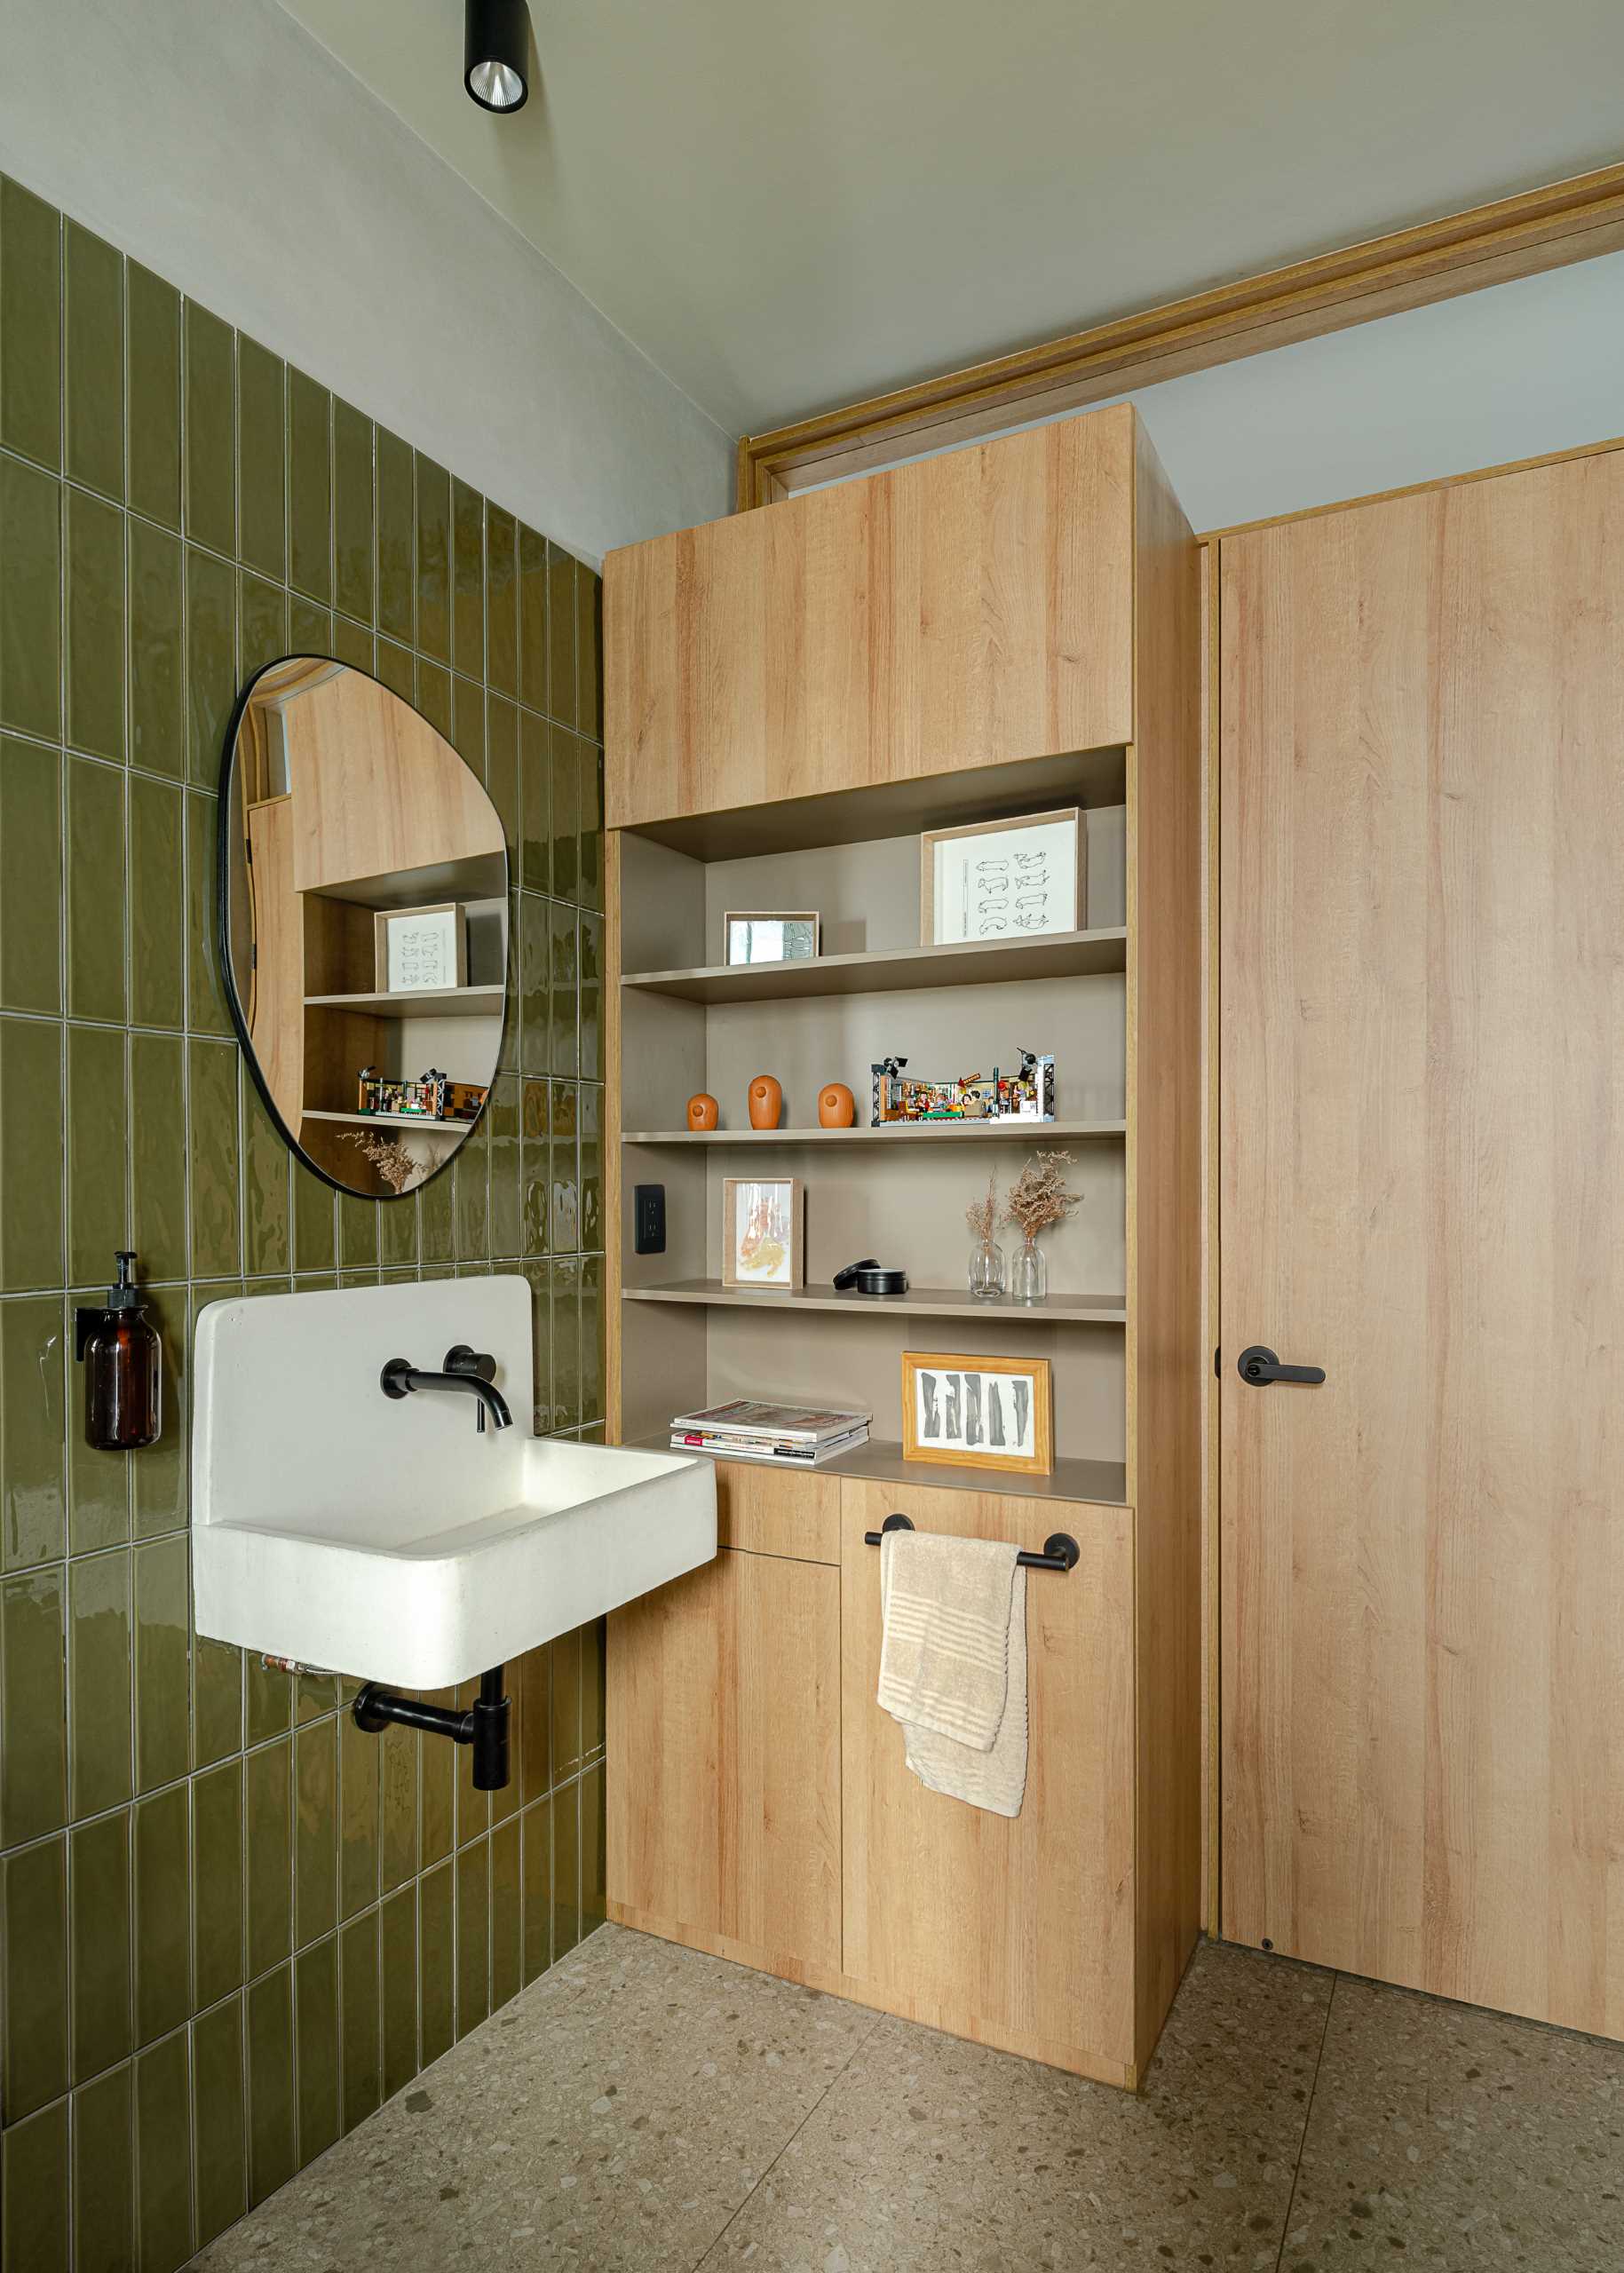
<point>648,1216</point>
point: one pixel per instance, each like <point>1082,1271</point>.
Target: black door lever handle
<point>1260,1366</point>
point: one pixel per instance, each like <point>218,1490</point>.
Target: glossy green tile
<point>564,1204</point>
<point>353,527</point>
<point>104,2173</point>
<point>436,1221</point>
<point>217,1883</point>
<point>163,2156</point>
<point>589,833</point>
<point>436,1962</point>
<point>209,430</point>
<point>211,663</point>
<point>359,1765</point>
<point>472,1811</point>
<point>565,1273</point>
<point>593,1399</point>
<point>502,601</point>
<point>273,2154</point>
<point>310,626</point>
<point>30,325</point>
<point>98,1143</point>
<point>153,395</point>
<point>507,1927</point>
<point>316,1832</point>
<point>216,1246</point>
<point>99,1878</point>
<point>31,1213</point>
<point>163,1683</point>
<point>561,702</point>
<point>398,1805</point>
<point>30,600</point>
<point>566,814</point>
<point>95,890</point>
<point>398,1232</point>
<point>470,1175</point>
<point>565,1654</point>
<point>157,915</point>
<point>397,670</point>
<point>101,1657</point>
<point>589,651</point>
<point>268,1803</point>
<point>564,982</point>
<point>501,1127</point>
<point>534,802</point>
<point>316,2021</point>
<point>157,651</point>
<point>358,1973</point>
<point>589,1103</point>
<point>315,1246</point>
<point>261,458</point>
<point>158,1120</point>
<point>468,724</point>
<point>353,644</point>
<point>535,1836</point>
<point>264,1184</point>
<point>267,1699</point>
<point>98,1481</point>
<point>93,348</point>
<point>433,489</point>
<point>30,877</point>
<point>310,493</point>
<point>358,1234</point>
<point>536,963</point>
<point>594,1849</point>
<point>216,1699</point>
<point>217,2118</point>
<point>532,619</point>
<point>163,1914</point>
<point>434,696</point>
<point>592,1658</point>
<point>314,1694</point>
<point>468,580</point>
<point>436,1804</point>
<point>262,624</point>
<point>33,1691</point>
<point>566,1870</point>
<point>397,1936</point>
<point>32,1388</point>
<point>396,515</point>
<point>502,777</point>
<point>159,1477</point>
<point>34,2189</point>
<point>536,1186</point>
<point>34,2019</point>
<point>472,1936</point>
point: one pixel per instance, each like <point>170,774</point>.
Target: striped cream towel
<point>952,1664</point>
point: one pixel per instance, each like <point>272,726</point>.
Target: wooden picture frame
<point>1067,906</point>
<point>386,916</point>
<point>770,915</point>
<point>950,1420</point>
<point>774,1226</point>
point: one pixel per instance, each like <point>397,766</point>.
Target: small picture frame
<point>963,1412</point>
<point>763,1231</point>
<point>420,949</point>
<point>771,937</point>
<point>1003,879</point>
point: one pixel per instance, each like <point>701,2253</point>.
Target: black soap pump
<point>122,1359</point>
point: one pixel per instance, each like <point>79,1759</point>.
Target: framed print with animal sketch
<point>979,1412</point>
<point>764,1221</point>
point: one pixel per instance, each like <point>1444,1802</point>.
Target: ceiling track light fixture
<point>496,54</point>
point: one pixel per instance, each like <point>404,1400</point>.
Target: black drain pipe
<point>484,1725</point>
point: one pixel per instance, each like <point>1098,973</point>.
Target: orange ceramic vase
<point>702,1111</point>
<point>767,1101</point>
<point>836,1105</point>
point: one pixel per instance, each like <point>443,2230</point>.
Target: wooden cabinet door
<point>1423,1191</point>
<point>723,1749</point>
<point>1018,1931</point>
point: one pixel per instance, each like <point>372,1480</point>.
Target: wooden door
<point>1017,1931</point>
<point>724,1745</point>
<point>1422,1190</point>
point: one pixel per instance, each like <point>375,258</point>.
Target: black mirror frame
<point>222,930</point>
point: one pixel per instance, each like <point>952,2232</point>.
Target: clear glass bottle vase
<point>1028,1274</point>
<point>987,1278</point>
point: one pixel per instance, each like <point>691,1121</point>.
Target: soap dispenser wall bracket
<point>484,1725</point>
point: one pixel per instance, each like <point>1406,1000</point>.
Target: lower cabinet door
<point>723,1749</point>
<point>1017,1930</point>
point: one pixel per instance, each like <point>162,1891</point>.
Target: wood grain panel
<point>1423,1190</point>
<point>276,1021</point>
<point>766,1511</point>
<point>1024,1924</point>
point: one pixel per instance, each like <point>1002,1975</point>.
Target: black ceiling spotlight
<point>496,54</point>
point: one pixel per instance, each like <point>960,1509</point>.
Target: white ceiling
<point>788,206</point>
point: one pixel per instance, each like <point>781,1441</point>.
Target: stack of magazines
<point>746,1429</point>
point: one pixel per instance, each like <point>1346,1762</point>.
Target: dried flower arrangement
<point>981,1215</point>
<point>1039,1197</point>
<point>387,1155</point>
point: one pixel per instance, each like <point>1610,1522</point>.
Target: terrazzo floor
<point>642,2107</point>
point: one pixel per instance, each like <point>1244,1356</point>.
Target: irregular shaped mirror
<point>363,921</point>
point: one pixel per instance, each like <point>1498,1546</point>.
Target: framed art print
<point>979,1412</point>
<point>769,938</point>
<point>763,1232</point>
<point>419,948</point>
<point>1002,879</point>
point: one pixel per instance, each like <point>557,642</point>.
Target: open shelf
<point>919,1301</point>
<point>394,1121</point>
<point>1102,1482</point>
<point>425,1002</point>
<point>894,1132</point>
<point>894,971</point>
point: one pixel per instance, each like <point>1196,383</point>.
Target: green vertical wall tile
<point>359,1765</point>
<point>398,1938</point>
<point>434,490</point>
<point>566,1736</point>
<point>261,458</point>
<point>264,1184</point>
<point>30,600</point>
<point>217,2118</point>
<point>534,964</point>
<point>532,619</point>
<point>506,1930</point>
<point>533,1703</point>
<point>272,2153</point>
<point>211,663</point>
<point>262,625</point>
<point>163,2156</point>
<point>310,626</point>
<point>160,1475</point>
<point>30,325</point>
<point>163,1914</point>
<point>33,2017</point>
<point>468,580</point>
<point>468,724</point>
<point>594,1403</point>
<point>434,696</point>
<point>564,980</point>
<point>101,1656</point>
<point>104,2173</point>
<point>588,1104</point>
<point>158,1155</point>
<point>99,1866</point>
<point>93,350</point>
<point>436,1801</point>
<point>436,1223</point>
<point>594,1850</point>
<point>31,1094</point>
<point>436,1962</point>
<point>398,1805</point>
<point>353,525</point>
<point>564,1203</point>
<point>97,1145</point>
<point>502,1123</point>
<point>216,1700</point>
<point>33,1692</point>
<point>501,600</point>
<point>470,1175</point>
<point>30,877</point>
<point>358,1973</point>
<point>561,636</point>
<point>268,1804</point>
<point>310,517</point>
<point>358,1234</point>
<point>316,2022</point>
<point>534,802</point>
<point>153,395</point>
<point>217,1883</point>
<point>33,2192</point>
<point>157,651</point>
<point>398,1232</point>
<point>502,777</point>
<point>216,1250</point>
<point>396,509</point>
<point>589,946</point>
<point>535,1833</point>
<point>209,430</point>
<point>592,1649</point>
<point>397,670</point>
<point>352,643</point>
<point>589,651</point>
<point>98,1481</point>
<point>315,1237</point>
<point>95,889</point>
<point>536,1170</point>
<point>316,1832</point>
<point>32,1525</point>
<point>566,814</point>
<point>566,1870</point>
<point>590,835</point>
<point>472,1936</point>
<point>162,1688</point>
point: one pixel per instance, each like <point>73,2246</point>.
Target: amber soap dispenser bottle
<point>122,1359</point>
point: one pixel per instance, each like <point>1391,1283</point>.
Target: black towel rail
<point>1060,1549</point>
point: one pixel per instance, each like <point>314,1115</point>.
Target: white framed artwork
<point>763,1243</point>
<point>1002,879</point>
<point>421,948</point>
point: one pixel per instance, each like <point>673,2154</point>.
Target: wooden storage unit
<point>735,780</point>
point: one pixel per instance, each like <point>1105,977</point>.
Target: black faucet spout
<point>401,1378</point>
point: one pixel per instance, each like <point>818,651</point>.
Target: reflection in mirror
<point>364,912</point>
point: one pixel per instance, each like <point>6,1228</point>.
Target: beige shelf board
<point>418,1121</point>
<point>894,971</point>
<point>919,1301</point>
<point>1100,1483</point>
<point>423,1002</point>
<point>896,1132</point>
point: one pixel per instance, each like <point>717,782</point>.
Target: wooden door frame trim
<point>1541,229</point>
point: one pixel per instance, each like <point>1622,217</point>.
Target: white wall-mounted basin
<point>386,1537</point>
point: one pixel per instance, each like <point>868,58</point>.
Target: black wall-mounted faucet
<point>467,1370</point>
